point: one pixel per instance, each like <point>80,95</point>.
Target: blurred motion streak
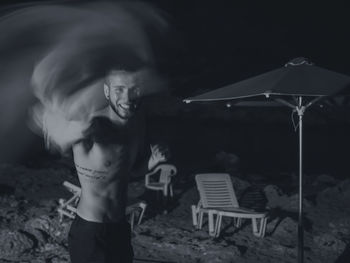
<point>53,59</point>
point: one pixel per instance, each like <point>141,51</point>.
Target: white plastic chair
<point>164,184</point>
<point>68,207</point>
<point>217,197</point>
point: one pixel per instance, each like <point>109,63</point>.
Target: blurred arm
<point>59,132</point>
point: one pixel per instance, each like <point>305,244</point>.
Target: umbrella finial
<point>298,62</point>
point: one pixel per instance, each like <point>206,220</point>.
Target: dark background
<point>214,43</point>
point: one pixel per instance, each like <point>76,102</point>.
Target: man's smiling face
<point>123,92</point>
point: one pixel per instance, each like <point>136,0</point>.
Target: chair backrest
<point>216,190</point>
<point>166,172</point>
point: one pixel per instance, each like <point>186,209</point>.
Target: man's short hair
<point>123,59</point>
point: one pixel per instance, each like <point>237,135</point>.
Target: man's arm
<point>59,132</point>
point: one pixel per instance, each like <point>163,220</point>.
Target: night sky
<point>213,43</point>
<point>225,41</point>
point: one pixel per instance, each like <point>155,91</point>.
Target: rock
<point>46,229</point>
<point>219,255</point>
<point>327,241</point>
<point>324,179</point>
<point>60,260</point>
<point>272,225</point>
<point>336,197</point>
<point>13,244</point>
<point>292,203</point>
<point>277,199</point>
<point>286,231</point>
<point>275,196</point>
<point>39,228</point>
<point>173,242</point>
<point>340,227</point>
<point>284,250</point>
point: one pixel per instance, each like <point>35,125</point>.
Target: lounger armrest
<point>72,187</point>
<point>148,175</point>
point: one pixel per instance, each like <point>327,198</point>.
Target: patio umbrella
<point>298,85</point>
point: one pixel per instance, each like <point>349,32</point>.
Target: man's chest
<point>105,155</point>
<point>105,145</point>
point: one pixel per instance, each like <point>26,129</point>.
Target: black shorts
<point>91,242</point>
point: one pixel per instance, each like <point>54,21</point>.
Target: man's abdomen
<point>103,204</point>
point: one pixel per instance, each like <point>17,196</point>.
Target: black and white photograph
<point>174,131</point>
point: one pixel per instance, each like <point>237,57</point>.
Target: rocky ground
<point>31,232</point>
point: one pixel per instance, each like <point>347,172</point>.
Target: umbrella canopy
<point>297,78</point>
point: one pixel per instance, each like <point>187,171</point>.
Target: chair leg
<point>194,215</point>
<point>132,218</point>
<point>60,214</point>
<point>171,191</point>
<point>143,208</point>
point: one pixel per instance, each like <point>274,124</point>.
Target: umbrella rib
<point>285,103</point>
<point>313,101</point>
<point>189,100</point>
<point>220,99</point>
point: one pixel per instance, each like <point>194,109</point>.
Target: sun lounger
<point>217,197</point>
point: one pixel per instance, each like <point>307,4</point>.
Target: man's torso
<point>103,161</point>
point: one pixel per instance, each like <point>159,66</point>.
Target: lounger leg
<point>200,221</point>
<point>194,215</point>
<point>218,225</point>
<point>263,226</point>
<point>255,227</point>
<point>211,223</point>
<point>238,222</point>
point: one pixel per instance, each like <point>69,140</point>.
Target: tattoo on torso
<point>91,173</point>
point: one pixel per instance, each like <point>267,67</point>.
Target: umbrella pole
<point>300,110</point>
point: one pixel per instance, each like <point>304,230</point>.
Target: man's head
<point>122,90</point>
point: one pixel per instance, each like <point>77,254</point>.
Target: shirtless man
<point>104,154</point>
